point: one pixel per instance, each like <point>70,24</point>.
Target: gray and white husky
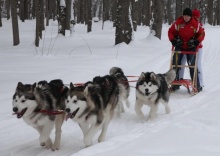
<point>151,89</point>
<point>37,105</point>
<point>92,107</point>
<point>123,86</point>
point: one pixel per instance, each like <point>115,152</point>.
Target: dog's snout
<point>15,109</point>
<point>67,110</point>
<point>146,90</point>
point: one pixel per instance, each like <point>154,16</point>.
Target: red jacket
<point>186,30</point>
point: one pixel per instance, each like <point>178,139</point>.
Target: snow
<point>191,129</point>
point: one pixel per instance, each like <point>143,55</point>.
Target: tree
<point>158,7</point>
<point>15,23</point>
<point>179,8</point>
<point>210,12</point>
<point>62,17</point>
<point>37,31</point>
<point>0,13</point>
<point>134,13</point>
<point>123,24</point>
<point>89,15</point>
<point>169,12</point>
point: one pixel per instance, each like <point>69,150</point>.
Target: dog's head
<point>75,101</point>
<point>148,83</point>
<point>24,100</point>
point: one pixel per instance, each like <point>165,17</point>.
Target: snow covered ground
<point>192,128</point>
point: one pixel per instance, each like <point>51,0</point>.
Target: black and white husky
<point>151,89</point>
<point>92,106</point>
<point>38,106</point>
<point>123,86</point>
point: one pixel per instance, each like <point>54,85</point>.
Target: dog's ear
<point>34,86</point>
<point>71,86</point>
<point>20,86</point>
<point>153,76</point>
<point>142,76</point>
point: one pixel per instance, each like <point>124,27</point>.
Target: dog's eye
<point>67,101</point>
<point>150,85</point>
<point>23,101</point>
<point>75,101</point>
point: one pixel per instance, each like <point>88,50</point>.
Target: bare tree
<point>218,12</point>
<point>210,12</point>
<point>158,7</point>
<point>37,32</point>
<point>15,23</point>
<point>62,17</point>
<point>134,13</point>
<point>179,8</point>
<point>8,8</point>
<point>146,12</point>
<point>89,15</point>
<point>68,12</point>
<point>0,13</point>
<point>123,24</point>
<point>169,12</point>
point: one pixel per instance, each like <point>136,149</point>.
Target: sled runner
<point>191,85</point>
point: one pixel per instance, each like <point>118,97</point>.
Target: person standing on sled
<point>196,15</point>
<point>185,34</point>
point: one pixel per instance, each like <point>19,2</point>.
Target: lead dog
<point>151,89</point>
<point>37,104</point>
<point>92,106</point>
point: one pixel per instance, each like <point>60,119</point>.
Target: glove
<point>177,42</point>
<point>192,43</point>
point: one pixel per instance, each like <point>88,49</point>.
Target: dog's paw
<point>88,142</point>
<point>48,144</point>
<point>101,139</point>
<point>56,146</point>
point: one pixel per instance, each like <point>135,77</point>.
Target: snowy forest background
<point>126,15</point>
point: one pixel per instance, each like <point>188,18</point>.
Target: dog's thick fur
<point>36,104</point>
<point>92,106</point>
<point>123,86</point>
<point>151,89</point>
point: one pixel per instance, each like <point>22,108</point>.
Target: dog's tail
<point>170,76</point>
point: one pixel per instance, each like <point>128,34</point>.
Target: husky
<point>92,106</point>
<point>151,89</point>
<point>37,104</point>
<point>123,85</point>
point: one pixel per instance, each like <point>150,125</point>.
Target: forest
<point>126,15</point>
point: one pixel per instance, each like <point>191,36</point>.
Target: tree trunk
<point>68,11</point>
<point>89,15</point>
<point>134,13</point>
<point>37,8</point>
<point>169,12</point>
<point>33,9</point>
<point>218,12</point>
<point>179,8</point>
<point>8,3</point>
<point>62,17</point>
<point>22,10</point>
<point>114,11</point>
<point>158,7</point>
<point>15,23</point>
<point>42,27</point>
<point>0,13</point>
<point>210,12</point>
<point>123,25</point>
<point>146,12</point>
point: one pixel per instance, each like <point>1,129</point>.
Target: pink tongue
<point>68,116</point>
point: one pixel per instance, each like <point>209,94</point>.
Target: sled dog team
<point>44,105</point>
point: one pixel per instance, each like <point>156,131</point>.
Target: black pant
<point>191,60</point>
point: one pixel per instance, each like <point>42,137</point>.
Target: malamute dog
<point>123,86</point>
<point>37,105</point>
<point>92,106</point>
<point>151,89</point>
